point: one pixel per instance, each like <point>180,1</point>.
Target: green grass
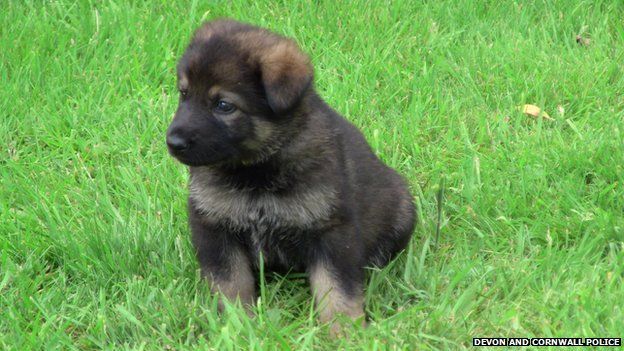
<point>94,244</point>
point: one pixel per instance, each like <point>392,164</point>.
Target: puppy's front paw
<point>340,326</point>
<point>334,302</point>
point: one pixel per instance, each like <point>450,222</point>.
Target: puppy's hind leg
<point>397,235</point>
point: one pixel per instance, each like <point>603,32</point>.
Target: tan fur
<point>214,91</point>
<point>242,210</point>
<point>330,301</point>
<point>183,82</point>
<point>258,41</point>
<point>285,58</point>
<point>277,55</point>
<point>264,131</point>
<point>240,283</point>
<point>208,30</point>
<point>286,70</point>
<point>229,96</point>
<point>204,33</point>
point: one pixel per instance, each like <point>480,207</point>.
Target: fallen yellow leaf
<point>582,41</point>
<point>536,112</point>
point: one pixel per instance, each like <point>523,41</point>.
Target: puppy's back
<point>379,196</point>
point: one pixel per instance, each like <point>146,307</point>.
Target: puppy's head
<point>239,86</point>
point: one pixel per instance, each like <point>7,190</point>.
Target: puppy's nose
<point>177,143</point>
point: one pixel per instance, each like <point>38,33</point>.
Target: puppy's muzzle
<point>177,143</point>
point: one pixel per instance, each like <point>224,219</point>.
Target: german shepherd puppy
<point>275,172</point>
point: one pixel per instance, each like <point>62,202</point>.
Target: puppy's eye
<point>224,107</point>
<point>183,92</point>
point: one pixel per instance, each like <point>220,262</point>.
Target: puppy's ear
<point>286,75</point>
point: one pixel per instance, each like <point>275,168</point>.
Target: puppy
<point>277,174</point>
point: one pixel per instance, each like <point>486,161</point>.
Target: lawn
<point>95,250</point>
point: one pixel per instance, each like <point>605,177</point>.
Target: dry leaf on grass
<point>582,41</point>
<point>536,112</point>
<point>582,38</point>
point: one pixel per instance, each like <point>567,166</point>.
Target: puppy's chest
<point>281,248</point>
<point>273,224</point>
<point>263,210</point>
